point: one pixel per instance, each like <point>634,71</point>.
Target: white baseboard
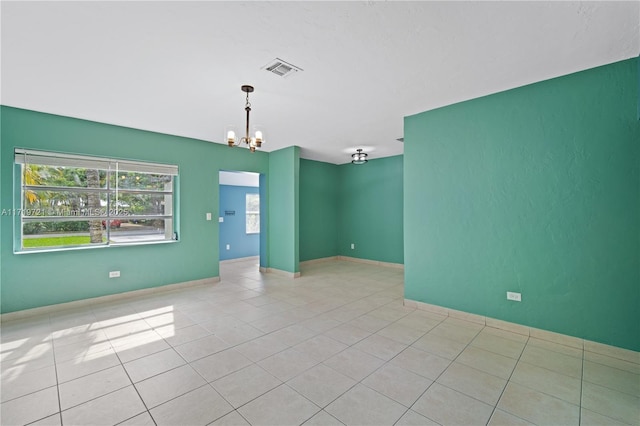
<point>25,313</point>
<point>280,272</point>
<point>240,259</point>
<point>319,260</point>
<point>562,339</point>
<point>371,262</point>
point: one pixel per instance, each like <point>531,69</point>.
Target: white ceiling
<point>177,67</point>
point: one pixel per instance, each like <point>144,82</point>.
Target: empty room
<point>320,213</point>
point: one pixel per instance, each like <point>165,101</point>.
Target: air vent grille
<point>281,68</point>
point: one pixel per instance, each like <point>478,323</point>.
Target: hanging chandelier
<point>251,142</point>
<point>359,157</point>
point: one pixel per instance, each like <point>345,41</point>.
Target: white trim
<point>23,156</point>
<point>371,262</point>
<point>562,339</point>
<point>280,272</point>
<point>319,260</point>
<point>239,259</point>
<point>10,316</point>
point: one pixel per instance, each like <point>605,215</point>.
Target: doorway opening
<point>241,224</point>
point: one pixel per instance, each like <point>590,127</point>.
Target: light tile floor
<point>333,347</point>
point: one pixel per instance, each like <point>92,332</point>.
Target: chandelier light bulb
<point>359,157</point>
<point>231,137</point>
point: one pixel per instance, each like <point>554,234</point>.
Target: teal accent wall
<point>319,209</point>
<point>371,210</point>
<point>2,189</point>
<point>38,279</point>
<point>233,231</point>
<point>264,221</point>
<point>534,190</point>
<point>283,230</point>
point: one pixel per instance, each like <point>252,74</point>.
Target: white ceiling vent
<point>281,68</point>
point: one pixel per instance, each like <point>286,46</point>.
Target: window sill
<point>56,249</point>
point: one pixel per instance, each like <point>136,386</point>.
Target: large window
<point>253,213</point>
<point>70,201</point>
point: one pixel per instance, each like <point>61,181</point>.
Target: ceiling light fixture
<point>359,157</point>
<point>252,142</point>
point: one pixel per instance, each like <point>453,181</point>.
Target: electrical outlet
<point>228,246</point>
<point>208,216</point>
<point>516,297</point>
<point>353,246</point>
<point>114,274</point>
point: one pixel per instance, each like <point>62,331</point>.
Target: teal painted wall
<point>283,229</point>
<point>534,190</point>
<point>38,279</point>
<point>319,209</point>
<point>371,210</point>
<point>264,221</point>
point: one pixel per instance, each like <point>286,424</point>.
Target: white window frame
<point>107,213</point>
<point>251,213</point>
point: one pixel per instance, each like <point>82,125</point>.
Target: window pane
<point>39,175</point>
<point>253,223</point>
<point>56,234</point>
<point>76,201</point>
<point>140,204</point>
<point>64,203</point>
<point>141,181</point>
<point>253,213</point>
<point>253,203</point>
<point>133,231</point>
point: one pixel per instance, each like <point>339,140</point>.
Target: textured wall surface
<point>38,279</point>
<point>534,190</point>
<point>371,210</point>
<point>319,209</point>
<point>283,225</point>
<point>341,205</point>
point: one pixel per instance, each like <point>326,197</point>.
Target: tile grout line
<point>452,361</point>
<point>581,388</point>
<point>322,408</point>
<point>508,381</point>
<point>327,298</point>
<point>254,363</point>
<point>432,382</point>
<point>207,383</point>
<point>84,402</point>
<point>579,404</point>
<point>55,367</point>
<point>134,387</point>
